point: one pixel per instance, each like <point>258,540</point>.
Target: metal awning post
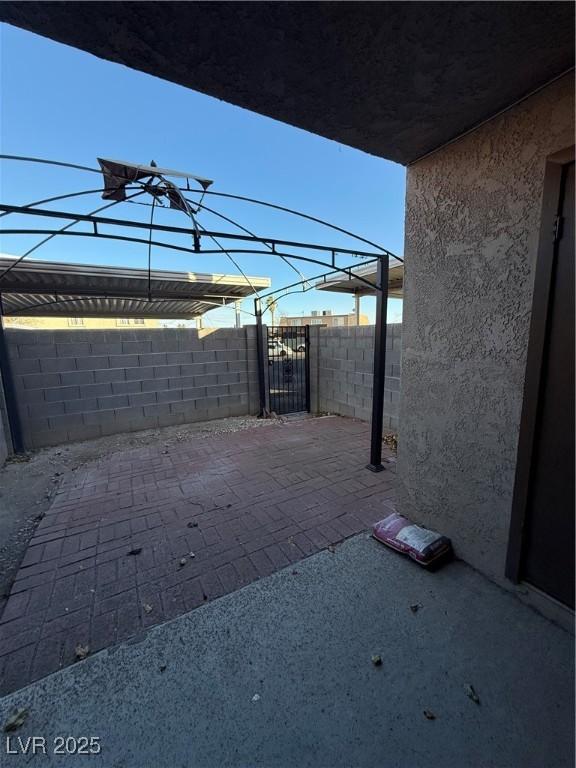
<point>7,380</point>
<point>379,377</point>
<point>260,351</point>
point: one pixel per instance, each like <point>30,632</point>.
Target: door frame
<point>550,235</point>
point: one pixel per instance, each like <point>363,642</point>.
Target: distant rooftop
<point>48,288</point>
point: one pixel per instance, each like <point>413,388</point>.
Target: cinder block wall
<point>345,361</point>
<point>77,385</point>
<point>5,442</point>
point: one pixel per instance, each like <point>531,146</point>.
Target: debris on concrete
<point>82,651</point>
<point>415,607</point>
<point>183,562</point>
<point>135,551</point>
<point>376,660</point>
<point>429,715</point>
<point>147,608</point>
<point>471,693</point>
<point>256,697</point>
<point>192,524</point>
<point>162,667</point>
<point>16,720</point>
<point>391,441</point>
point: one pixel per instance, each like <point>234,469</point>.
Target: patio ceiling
<point>48,288</point>
<point>396,79</point>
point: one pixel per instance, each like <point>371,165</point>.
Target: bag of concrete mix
<point>421,544</point>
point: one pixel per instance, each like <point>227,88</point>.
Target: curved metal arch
<point>227,195</point>
<point>157,243</point>
<point>75,220</point>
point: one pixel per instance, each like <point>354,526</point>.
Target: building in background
<point>81,323</point>
<point>324,317</point>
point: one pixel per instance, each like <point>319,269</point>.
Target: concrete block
<point>81,406</point>
<point>123,361</point>
<point>160,409</point>
<point>72,349</point>
<point>217,391</point>
<point>169,396</point>
<point>77,377</point>
<point>144,372</point>
<point>57,364</point>
<point>109,375</point>
<point>193,393</point>
<point>113,402</point>
<point>179,358</point>
<point>136,347</point>
<point>203,356</point>
<point>65,421</point>
<point>43,410</point>
<point>25,365</point>
<point>142,398</point>
<point>92,363</point>
<point>217,367</point>
<point>55,394</point>
<point>126,387</point>
<point>37,351</point>
<point>84,432</point>
<point>40,380</point>
<point>131,415</point>
<point>154,385</point>
<point>229,378</point>
<point>207,380</point>
<point>100,417</point>
<point>95,390</point>
<point>166,371</point>
<point>193,369</point>
<point>153,358</point>
<point>106,348</point>
<point>25,396</point>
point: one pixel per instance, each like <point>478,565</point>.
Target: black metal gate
<point>288,369</point>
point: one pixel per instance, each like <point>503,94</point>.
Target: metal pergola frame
<point>196,233</point>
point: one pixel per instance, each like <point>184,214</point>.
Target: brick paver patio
<point>113,554</point>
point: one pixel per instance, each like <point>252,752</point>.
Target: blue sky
<point>63,104</point>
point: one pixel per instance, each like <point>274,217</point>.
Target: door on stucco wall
<point>546,556</point>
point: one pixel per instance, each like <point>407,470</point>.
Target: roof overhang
<point>396,79</point>
<point>350,284</point>
<point>48,288</point>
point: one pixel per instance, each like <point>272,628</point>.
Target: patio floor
<point>112,556</point>
<point>279,675</point>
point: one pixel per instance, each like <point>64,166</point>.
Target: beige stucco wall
<point>472,228</point>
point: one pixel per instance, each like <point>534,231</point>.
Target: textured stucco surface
<point>395,79</point>
<point>472,228</point>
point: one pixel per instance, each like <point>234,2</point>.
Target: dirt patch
<point>28,483</point>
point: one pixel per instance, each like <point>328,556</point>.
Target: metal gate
<point>288,369</point>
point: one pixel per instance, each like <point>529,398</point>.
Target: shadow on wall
<point>78,385</point>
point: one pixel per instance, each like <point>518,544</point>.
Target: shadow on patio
<point>148,534</point>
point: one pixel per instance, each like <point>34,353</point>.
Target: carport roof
<point>345,284</point>
<point>47,288</point>
<point>397,79</point>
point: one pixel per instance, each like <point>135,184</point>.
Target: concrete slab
<point>279,674</point>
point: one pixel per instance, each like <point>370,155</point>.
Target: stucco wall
<point>472,228</point>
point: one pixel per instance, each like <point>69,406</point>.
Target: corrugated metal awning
<point>47,288</point>
<point>345,284</point>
